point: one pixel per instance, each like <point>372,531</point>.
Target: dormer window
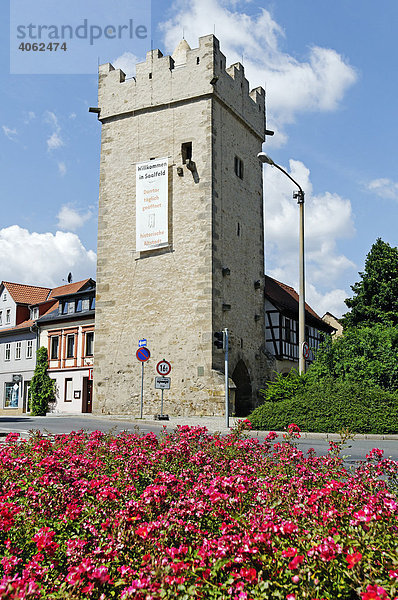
<point>34,313</point>
<point>65,308</point>
<point>86,304</point>
<point>71,308</point>
<point>79,305</point>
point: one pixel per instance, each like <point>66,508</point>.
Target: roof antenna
<point>183,33</point>
<point>214,29</point>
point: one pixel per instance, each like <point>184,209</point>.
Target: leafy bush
<point>284,387</point>
<point>42,387</point>
<point>330,406</point>
<point>195,516</point>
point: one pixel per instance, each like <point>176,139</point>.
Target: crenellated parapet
<point>186,75</point>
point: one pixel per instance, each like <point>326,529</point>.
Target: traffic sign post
<point>143,354</point>
<point>306,350</point>
<point>162,383</point>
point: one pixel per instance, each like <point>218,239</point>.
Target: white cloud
<point>43,258</point>
<point>385,188</point>
<point>71,219</point>
<point>126,62</point>
<point>55,140</point>
<point>10,133</point>
<point>317,83</point>
<point>62,168</point>
<point>328,217</point>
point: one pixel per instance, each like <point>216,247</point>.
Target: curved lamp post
<point>300,201</point>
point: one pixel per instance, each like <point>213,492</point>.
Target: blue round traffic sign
<point>143,354</point>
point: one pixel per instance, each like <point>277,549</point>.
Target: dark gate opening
<point>243,392</point>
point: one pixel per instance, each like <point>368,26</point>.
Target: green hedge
<point>330,406</point>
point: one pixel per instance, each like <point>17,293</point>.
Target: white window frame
<point>8,316</point>
<point>29,348</point>
<point>5,297</point>
<point>7,351</point>
<point>18,348</point>
<point>1,317</point>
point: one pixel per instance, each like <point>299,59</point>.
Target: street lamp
<point>300,201</point>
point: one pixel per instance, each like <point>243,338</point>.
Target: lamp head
<point>265,159</point>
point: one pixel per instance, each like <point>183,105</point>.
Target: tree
<point>375,298</point>
<point>363,355</point>
<point>42,387</point>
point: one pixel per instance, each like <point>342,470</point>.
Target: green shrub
<point>42,387</point>
<point>330,406</point>
<point>284,386</point>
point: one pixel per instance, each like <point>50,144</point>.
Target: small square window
<point>238,166</point>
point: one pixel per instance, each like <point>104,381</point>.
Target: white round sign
<point>163,367</point>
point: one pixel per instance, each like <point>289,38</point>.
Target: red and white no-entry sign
<point>163,368</point>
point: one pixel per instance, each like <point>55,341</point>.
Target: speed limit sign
<point>163,367</point>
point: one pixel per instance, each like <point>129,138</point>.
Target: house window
<point>11,396</point>
<point>18,346</point>
<point>4,296</point>
<point>8,316</point>
<point>93,303</point>
<point>54,347</point>
<point>86,304</point>
<point>238,167</point>
<point>288,331</point>
<point>1,317</point>
<point>71,308</point>
<point>7,354</point>
<point>70,346</point>
<point>90,343</point>
<point>68,390</point>
<point>78,305</point>
<point>29,349</point>
<point>34,313</point>
<point>64,308</point>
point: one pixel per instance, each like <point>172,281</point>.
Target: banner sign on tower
<point>152,204</point>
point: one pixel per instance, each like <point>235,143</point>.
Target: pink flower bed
<point>193,515</point>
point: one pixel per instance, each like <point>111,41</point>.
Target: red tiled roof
<point>287,298</point>
<point>26,294</point>
<point>23,325</point>
<point>69,288</point>
<point>51,309</point>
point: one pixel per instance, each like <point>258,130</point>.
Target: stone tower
<point>197,119</point>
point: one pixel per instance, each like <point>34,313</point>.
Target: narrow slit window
<point>186,152</point>
<point>238,165</point>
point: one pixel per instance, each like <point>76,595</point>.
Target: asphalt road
<point>354,451</point>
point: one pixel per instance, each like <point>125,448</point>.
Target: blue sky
<point>329,70</point>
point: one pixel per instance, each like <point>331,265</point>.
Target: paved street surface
<point>355,450</point>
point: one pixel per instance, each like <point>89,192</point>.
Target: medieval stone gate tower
<point>190,109</point>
